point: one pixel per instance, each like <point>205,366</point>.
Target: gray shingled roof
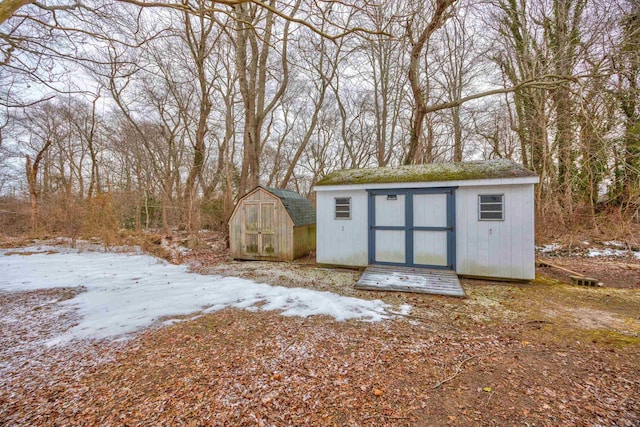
<point>299,208</point>
<point>501,168</point>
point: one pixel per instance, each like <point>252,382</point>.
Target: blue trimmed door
<point>412,227</point>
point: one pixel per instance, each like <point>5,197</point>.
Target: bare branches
<point>547,81</point>
<point>26,104</point>
<point>8,8</point>
<point>264,5</point>
<point>440,14</point>
<point>459,368</point>
<point>219,95</point>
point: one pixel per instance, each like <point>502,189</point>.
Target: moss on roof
<point>433,172</point>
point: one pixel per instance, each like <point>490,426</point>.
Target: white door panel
<point>390,246</point>
<point>430,210</point>
<point>430,248</point>
<point>390,210</point>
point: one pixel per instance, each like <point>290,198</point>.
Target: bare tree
<point>627,68</point>
<point>461,62</point>
<point>46,128</point>
<point>387,62</point>
<point>324,72</point>
<point>253,50</point>
<point>442,10</point>
<point>522,58</point>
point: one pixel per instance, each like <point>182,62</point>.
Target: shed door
<point>412,227</point>
<point>389,229</point>
<point>430,229</point>
<point>260,230</point>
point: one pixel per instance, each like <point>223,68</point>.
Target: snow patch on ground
<point>615,243</point>
<point>127,292</point>
<point>549,248</point>
<point>594,252</point>
<point>591,252</point>
<point>174,247</point>
<point>403,310</point>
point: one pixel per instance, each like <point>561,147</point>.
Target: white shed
<point>475,218</point>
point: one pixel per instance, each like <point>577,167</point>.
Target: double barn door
<point>412,227</point>
<point>260,228</point>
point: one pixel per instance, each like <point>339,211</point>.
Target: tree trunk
<point>31,169</point>
<point>252,80</point>
<point>9,7</point>
<point>420,109</point>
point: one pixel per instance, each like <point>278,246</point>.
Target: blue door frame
<point>409,228</point>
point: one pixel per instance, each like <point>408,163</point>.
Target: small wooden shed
<point>272,224</point>
<point>475,218</point>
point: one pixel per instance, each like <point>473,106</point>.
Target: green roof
<point>433,172</point>
<point>299,208</point>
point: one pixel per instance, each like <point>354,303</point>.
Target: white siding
<point>483,248</point>
<point>496,248</point>
<point>342,241</point>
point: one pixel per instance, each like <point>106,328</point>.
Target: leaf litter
<point>240,367</point>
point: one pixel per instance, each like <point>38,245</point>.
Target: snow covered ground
<point>124,293</point>
<point>586,249</point>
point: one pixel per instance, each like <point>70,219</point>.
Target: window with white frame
<point>343,207</point>
<point>491,207</point>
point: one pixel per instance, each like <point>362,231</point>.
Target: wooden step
<point>409,279</point>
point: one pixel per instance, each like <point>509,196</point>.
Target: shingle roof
<point>501,168</point>
<point>299,208</point>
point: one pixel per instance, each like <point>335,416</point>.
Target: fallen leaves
<point>243,368</point>
<point>292,371</point>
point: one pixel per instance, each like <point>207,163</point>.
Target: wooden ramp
<point>408,279</point>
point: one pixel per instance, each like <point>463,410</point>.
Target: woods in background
<point>160,115</point>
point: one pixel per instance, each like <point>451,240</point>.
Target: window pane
<point>267,217</point>
<point>343,208</point>
<point>251,242</point>
<point>493,207</point>
<point>490,215</point>
<point>268,245</point>
<point>491,199</point>
<point>251,218</point>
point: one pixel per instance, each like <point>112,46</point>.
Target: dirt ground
<point>544,354</point>
<point>611,272</point>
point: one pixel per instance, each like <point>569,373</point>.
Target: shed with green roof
<point>475,218</point>
<point>272,224</point>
